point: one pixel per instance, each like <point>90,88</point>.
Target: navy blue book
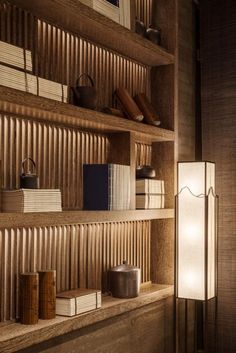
<point>106,187</point>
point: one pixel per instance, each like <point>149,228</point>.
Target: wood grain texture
<point>59,153</point>
<point>19,220</point>
<point>47,294</point>
<point>81,19</point>
<point>164,15</point>
<point>42,109</point>
<point>186,82</point>
<point>162,251</point>
<point>14,336</point>
<point>81,254</point>
<point>29,298</point>
<point>218,41</point>
<point>163,161</point>
<point>163,95</point>
<point>144,11</point>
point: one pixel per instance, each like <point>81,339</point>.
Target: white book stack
<point>31,200</point>
<point>23,81</point>
<point>15,56</point>
<point>17,79</point>
<point>150,194</point>
<point>78,301</point>
<point>52,90</point>
<point>120,187</point>
<point>12,55</point>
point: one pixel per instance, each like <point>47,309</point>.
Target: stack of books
<point>106,187</point>
<point>31,200</point>
<point>15,56</point>
<point>52,90</point>
<point>78,301</point>
<point>150,194</point>
<point>23,81</point>
<point>12,55</point>
<point>17,79</point>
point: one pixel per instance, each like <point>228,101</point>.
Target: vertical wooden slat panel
<point>144,11</point>
<point>58,152</point>
<point>80,254</point>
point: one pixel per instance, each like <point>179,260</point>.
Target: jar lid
<point>124,268</point>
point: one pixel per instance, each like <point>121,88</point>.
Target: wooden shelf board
<point>31,106</point>
<point>38,219</point>
<point>14,336</point>
<point>81,19</point>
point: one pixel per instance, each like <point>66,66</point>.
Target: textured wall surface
<point>219,145</point>
<point>187,63</point>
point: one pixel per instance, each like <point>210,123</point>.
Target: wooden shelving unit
<point>33,107</point>
<point>83,245</point>
<point>81,19</point>
<point>17,220</point>
<point>14,336</point>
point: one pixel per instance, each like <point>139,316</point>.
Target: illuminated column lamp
<point>196,231</point>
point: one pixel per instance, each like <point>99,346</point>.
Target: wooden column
<point>29,298</point>
<point>47,294</point>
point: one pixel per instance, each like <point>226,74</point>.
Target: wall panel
<point>59,154</point>
<point>80,254</point>
<point>218,41</point>
<point>62,56</point>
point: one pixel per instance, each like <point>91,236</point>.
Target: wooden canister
<point>150,116</point>
<point>29,298</point>
<point>128,104</point>
<point>47,294</point>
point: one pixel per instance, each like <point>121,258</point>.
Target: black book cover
<point>96,180</point>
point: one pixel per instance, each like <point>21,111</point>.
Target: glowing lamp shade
<point>196,231</point>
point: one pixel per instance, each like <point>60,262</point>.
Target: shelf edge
<point>39,219</point>
<point>16,336</point>
<point>29,106</point>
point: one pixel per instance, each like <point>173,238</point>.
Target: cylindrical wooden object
<point>29,298</point>
<point>128,104</point>
<point>150,116</point>
<point>113,111</point>
<point>47,294</point>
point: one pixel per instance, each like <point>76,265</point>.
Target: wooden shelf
<point>38,219</point>
<point>81,19</point>
<point>31,106</point>
<point>14,336</point>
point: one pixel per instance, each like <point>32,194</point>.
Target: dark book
<point>106,187</point>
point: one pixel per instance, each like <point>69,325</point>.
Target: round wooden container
<point>29,298</point>
<point>47,294</point>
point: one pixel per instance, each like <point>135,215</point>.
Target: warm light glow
<point>195,216</point>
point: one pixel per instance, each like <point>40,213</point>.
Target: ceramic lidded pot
<point>124,281</point>
<point>145,172</point>
<point>154,34</point>
<point>140,28</point>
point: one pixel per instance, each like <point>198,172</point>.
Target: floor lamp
<point>196,238</point>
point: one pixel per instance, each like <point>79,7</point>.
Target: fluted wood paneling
<point>80,254</point>
<point>144,11</point>
<point>143,154</point>
<point>59,154</point>
<point>62,56</point>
